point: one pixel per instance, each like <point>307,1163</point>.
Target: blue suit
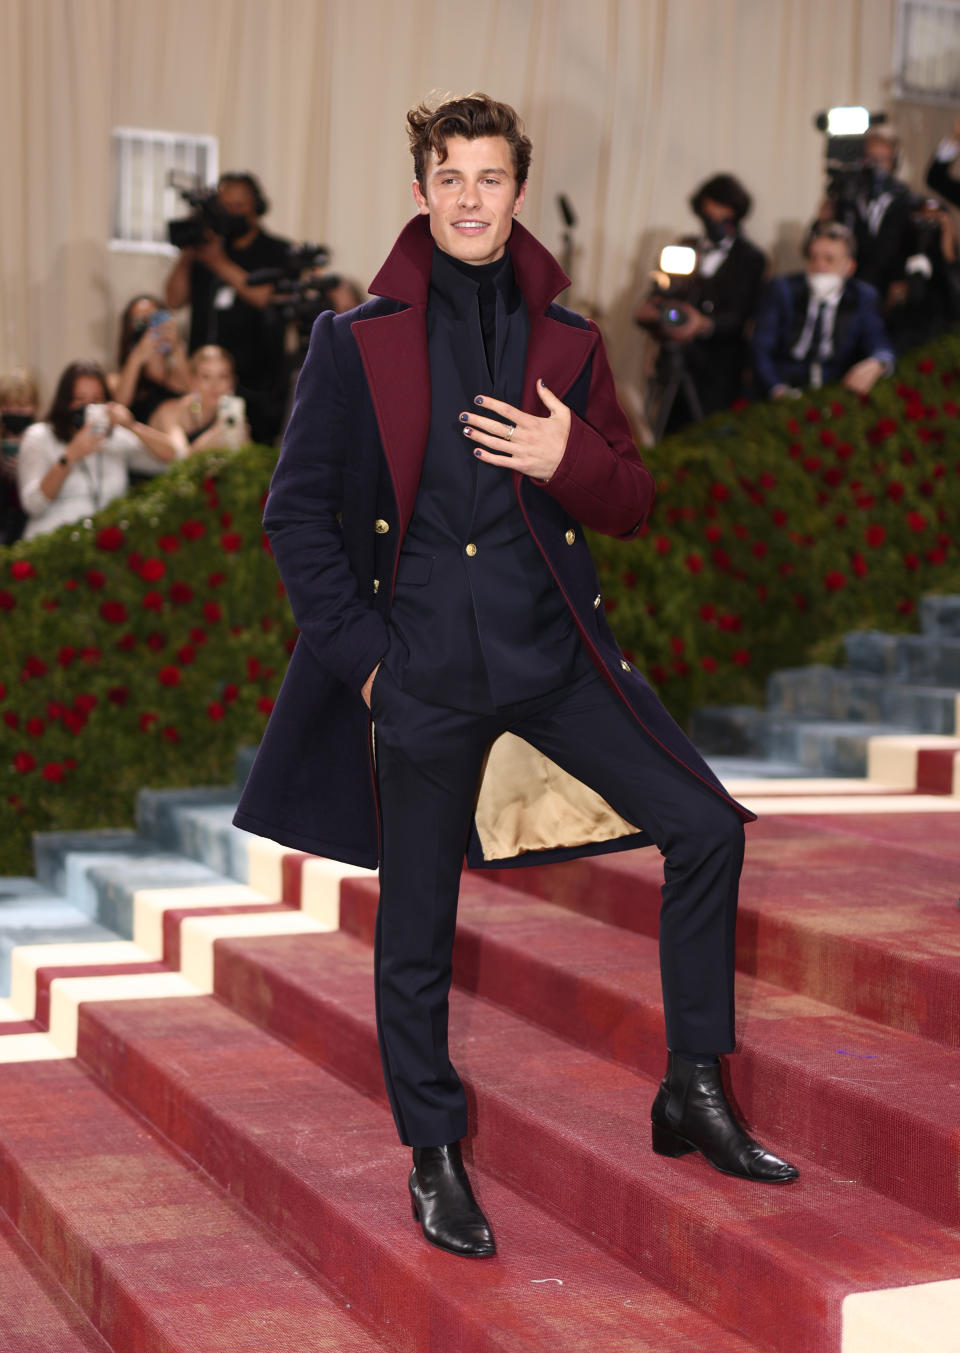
<point>858,333</point>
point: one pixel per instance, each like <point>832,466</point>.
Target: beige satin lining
<point>527,802</point>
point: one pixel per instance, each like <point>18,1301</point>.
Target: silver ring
<point>510,431</point>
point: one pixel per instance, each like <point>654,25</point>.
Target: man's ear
<point>851,266</point>
<point>518,201</point>
<point>423,206</point>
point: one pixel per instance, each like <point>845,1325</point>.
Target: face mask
<point>825,284</point>
<point>718,231</point>
<point>16,423</point>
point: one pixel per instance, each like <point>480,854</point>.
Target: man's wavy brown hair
<point>470,116</point>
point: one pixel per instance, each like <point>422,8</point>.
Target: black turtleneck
<point>488,279</point>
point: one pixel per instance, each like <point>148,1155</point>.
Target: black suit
<point>942,181</point>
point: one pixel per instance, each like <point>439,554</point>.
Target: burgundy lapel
<point>556,354</point>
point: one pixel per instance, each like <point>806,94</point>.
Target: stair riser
<point>905,657</point>
<point>863,700</point>
<point>804,1114</point>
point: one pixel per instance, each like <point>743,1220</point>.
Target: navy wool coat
<point>339,504</point>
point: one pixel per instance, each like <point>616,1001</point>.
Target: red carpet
<point>280,1218</point>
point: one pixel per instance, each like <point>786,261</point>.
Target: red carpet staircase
<point>219,1172</point>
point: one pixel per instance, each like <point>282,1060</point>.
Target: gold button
<point>471,549</point>
<point>376,586</point>
<point>571,536</point>
<point>381,527</point>
<point>625,665</point>
<point>596,601</point>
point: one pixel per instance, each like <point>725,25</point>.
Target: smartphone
<point>232,414</point>
<point>156,319</point>
<point>97,418</point>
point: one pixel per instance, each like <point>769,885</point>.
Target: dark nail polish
<point>464,417</point>
<point>467,431</point>
<point>478,452</point>
<point>479,399</point>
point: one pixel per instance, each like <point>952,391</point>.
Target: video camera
<point>301,291</point>
<point>849,175</point>
<point>672,284</point>
<point>208,216</point>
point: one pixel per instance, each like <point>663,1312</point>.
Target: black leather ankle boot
<point>444,1204</point>
<point>691,1113</point>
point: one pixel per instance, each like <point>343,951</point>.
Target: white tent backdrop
<point>629,103</point>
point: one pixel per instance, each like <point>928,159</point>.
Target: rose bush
<point>145,647</point>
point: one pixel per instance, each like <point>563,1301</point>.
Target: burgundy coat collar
<point>393,348</point>
<point>405,276</point>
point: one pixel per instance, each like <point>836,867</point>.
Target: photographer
<point>212,277</point>
<point>821,325</point>
<point>76,462</point>
<point>926,299</point>
<point>197,421</point>
<point>876,207</point>
<point>19,402</point>
<point>939,177</point>
<point>711,314</point>
<point>151,363</point>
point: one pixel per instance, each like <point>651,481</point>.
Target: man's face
<point>716,211</point>
<point>238,200</point>
<point>471,198</point>
<point>829,256</point>
<point>880,153</point>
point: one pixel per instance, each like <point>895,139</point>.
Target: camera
<point>207,217</point>
<point>300,290</point>
<point>673,284</point>
<point>849,175</point>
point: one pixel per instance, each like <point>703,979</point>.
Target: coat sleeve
<point>942,181</point>
<point>766,334</point>
<point>344,633</point>
<point>874,341</point>
<point>602,480</point>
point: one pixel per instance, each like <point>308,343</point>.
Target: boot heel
<point>667,1143</point>
<point>414,1209</point>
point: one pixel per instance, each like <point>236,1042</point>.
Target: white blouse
<point>90,484</point>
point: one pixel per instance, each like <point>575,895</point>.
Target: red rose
<point>835,581</point>
<point>833,476</point>
<point>265,544</point>
<point>169,544</point>
<point>11,720</point>
<point>198,636</point>
<point>719,492</point>
<point>152,570</point>
<point>53,771</point>
<point>795,450</point>
<point>916,521</point>
<point>741,657</point>
<point>169,676</point>
<point>812,464</point>
<point>35,727</point>
<point>73,721</point>
<point>253,668</point>
<point>875,535</point>
<point>34,667</point>
<point>55,710</point>
<point>110,538</point>
<point>926,364</point>
<point>739,405</point>
<point>90,654</point>
<point>230,692</point>
<point>907,457</point>
<point>610,604</point>
<point>231,541</point>
<point>936,556</point>
<point>215,710</point>
<point>3,691</point>
<point>768,480</point>
<point>212,611</point>
<point>84,703</point>
<point>859,565</point>
<point>147,721</point>
<point>760,549</point>
<point>152,601</point>
<point>193,530</point>
<point>721,558</point>
<point>134,561</point>
<point>226,519</point>
<point>837,409</point>
<point>730,621</point>
<point>186,654</point>
<point>844,450</point>
<point>7,601</point>
<point>694,563</point>
<point>812,415</point>
<point>118,695</point>
<point>21,569</point>
<point>793,426</point>
<point>827,437</point>
<point>265,704</point>
<point>24,762</point>
<point>662,545</point>
<point>905,606</point>
<point>156,641</point>
<point>680,667</point>
<point>126,642</point>
<point>215,579</point>
<point>911,561</point>
<point>800,601</point>
<point>170,733</point>
<point>95,579</point>
<point>708,664</point>
<point>181,593</point>
<point>895,490</point>
<point>114,612</point>
<point>677,645</point>
<point>708,612</point>
<point>628,578</point>
<point>778,516</point>
<point>950,408</point>
<point>49,604</point>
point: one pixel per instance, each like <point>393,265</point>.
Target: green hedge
<point>144,647</point>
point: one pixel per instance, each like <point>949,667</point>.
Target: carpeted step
<point>319,1162</point>
<point>572,1130</point>
<point>37,1316</point>
<point>906,657</point>
<point>31,914</point>
<point>152,1253</point>
<point>805,1071</point>
<point>822,692</point>
<point>857,912</point>
<point>196,823</point>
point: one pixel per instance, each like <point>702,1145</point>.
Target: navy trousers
<point>429,762</point>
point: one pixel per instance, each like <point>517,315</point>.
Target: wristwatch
<point>62,460</point>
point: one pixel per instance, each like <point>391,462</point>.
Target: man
<point>720,302</point>
<point>877,211</point>
<point>939,177</point>
<point>821,325</point>
<point>448,442</point>
<point>228,312</point>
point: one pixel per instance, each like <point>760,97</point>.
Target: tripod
<point>674,379</point>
